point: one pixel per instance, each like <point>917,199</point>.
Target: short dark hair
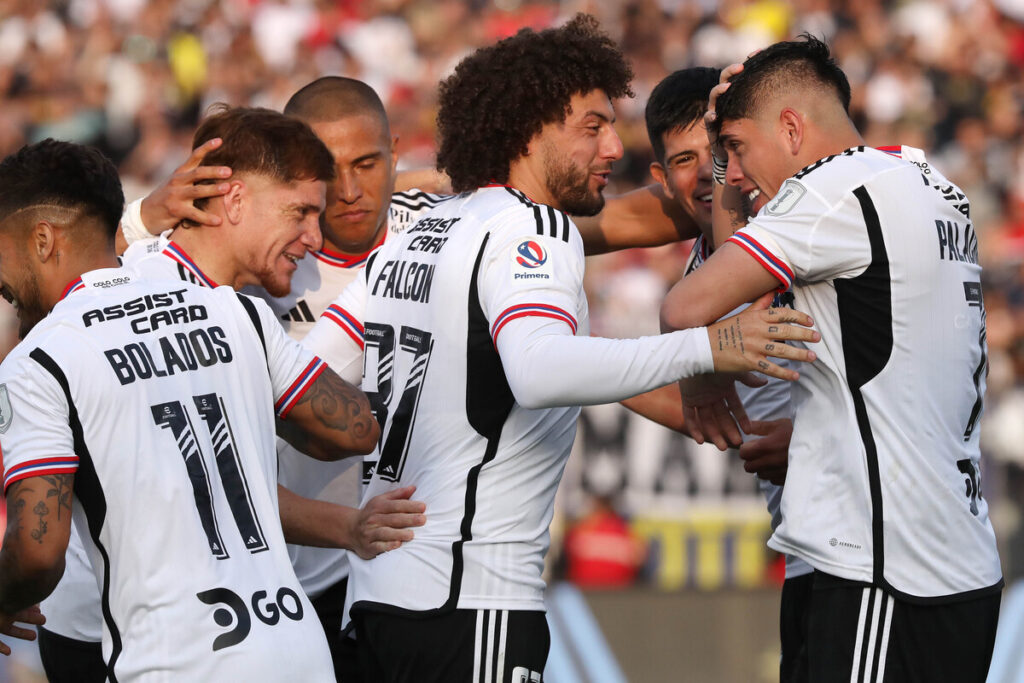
<point>501,96</point>
<point>795,62</point>
<point>265,142</point>
<point>334,97</point>
<point>62,174</point>
<point>677,102</point>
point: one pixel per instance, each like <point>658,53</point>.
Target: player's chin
<point>279,282</point>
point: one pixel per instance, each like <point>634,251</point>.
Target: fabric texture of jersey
<point>488,272</point>
<point>770,402</point>
<point>884,482</point>
<point>175,496</point>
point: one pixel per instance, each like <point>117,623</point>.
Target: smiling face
<point>759,162</point>
<point>685,172</point>
<point>281,224</point>
<point>358,199</point>
<point>577,155</point>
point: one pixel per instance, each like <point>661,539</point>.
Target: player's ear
<point>791,123</point>
<point>394,154</point>
<point>234,201</point>
<point>43,241</point>
<point>660,176</point>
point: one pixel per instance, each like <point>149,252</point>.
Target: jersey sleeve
<point>337,336</point>
<point>293,367</point>
<point>801,235</point>
<point>526,274</point>
<point>530,287</point>
<point>35,432</point>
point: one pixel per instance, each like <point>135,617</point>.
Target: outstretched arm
<point>332,420</point>
<point>645,217</point>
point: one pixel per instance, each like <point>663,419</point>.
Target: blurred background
<point>665,539</point>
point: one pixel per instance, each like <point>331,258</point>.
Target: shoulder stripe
<point>346,321</point>
<point>302,383</point>
<point>768,260</point>
<point>536,310</point>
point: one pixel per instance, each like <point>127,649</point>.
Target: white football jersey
<point>770,402</point>
<point>318,280</point>
<point>487,270</point>
<point>884,483</point>
<point>428,308</point>
<point>160,398</point>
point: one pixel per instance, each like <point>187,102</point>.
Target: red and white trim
<point>346,321</point>
<point>772,263</point>
<point>176,253</point>
<point>299,387</point>
<point>38,468</point>
<point>72,287</point>
<point>537,310</point>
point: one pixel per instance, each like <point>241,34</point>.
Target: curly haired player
<point>473,327</point>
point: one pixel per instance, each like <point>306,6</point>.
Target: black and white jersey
<point>884,483</point>
<point>407,206</point>
<point>770,402</point>
<point>448,316</point>
<point>160,398</point>
<point>319,278</point>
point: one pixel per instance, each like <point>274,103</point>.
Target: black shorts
<point>863,633</point>
<point>330,606</point>
<point>66,660</point>
<point>794,615</point>
<point>502,646</point>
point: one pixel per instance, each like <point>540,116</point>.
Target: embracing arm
<point>332,420</point>
<point>383,524</point>
<point>645,217</point>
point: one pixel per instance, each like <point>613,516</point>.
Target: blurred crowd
<point>133,77</point>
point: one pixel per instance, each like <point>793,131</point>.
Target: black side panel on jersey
<point>250,309</point>
<point>865,319</point>
<point>89,492</point>
<point>489,401</point>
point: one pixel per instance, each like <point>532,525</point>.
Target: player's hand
<point>171,203</point>
<point>712,409</point>
<point>29,615</point>
<point>385,522</point>
<point>744,342</point>
<point>768,456</point>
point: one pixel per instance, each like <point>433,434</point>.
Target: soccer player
<point>675,125</point>
<point>883,491</point>
<point>473,323</point>
<point>144,410</point>
<point>361,210</point>
<point>269,222</point>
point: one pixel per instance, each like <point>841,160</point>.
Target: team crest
<point>6,411</point>
<point>530,261</point>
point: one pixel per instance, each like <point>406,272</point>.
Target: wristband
<point>131,223</point>
<point>718,169</point>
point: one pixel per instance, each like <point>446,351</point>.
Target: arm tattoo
<point>19,590</point>
<point>338,405</point>
<point>61,488</point>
